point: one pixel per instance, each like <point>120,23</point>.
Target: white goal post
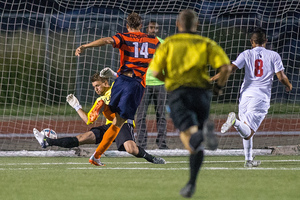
<point>38,68</point>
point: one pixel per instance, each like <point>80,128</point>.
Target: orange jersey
<point>136,51</point>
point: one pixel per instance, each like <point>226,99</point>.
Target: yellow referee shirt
<point>184,57</point>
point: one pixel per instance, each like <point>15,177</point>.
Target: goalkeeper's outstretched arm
<point>108,73</point>
<point>93,114</point>
<point>74,103</point>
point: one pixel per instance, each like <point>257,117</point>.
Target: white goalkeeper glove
<point>108,73</point>
<point>73,101</point>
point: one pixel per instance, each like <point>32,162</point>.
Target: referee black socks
<point>196,140</point>
<point>195,164</point>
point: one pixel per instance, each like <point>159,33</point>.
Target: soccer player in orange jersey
<point>136,51</point>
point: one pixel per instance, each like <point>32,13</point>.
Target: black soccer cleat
<point>210,138</point>
<point>187,191</point>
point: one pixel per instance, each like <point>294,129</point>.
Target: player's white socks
<point>248,148</point>
<point>243,129</point>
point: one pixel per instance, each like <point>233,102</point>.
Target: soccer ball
<point>49,133</point>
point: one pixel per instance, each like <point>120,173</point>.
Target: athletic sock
<point>195,164</point>
<point>243,129</point>
<point>196,140</point>
<point>143,154</point>
<point>67,142</point>
<point>248,148</point>
<point>108,138</point>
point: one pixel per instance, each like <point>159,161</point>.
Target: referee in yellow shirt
<point>184,58</point>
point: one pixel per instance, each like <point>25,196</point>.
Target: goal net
<point>39,69</point>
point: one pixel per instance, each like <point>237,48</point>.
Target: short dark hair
<point>96,77</point>
<point>134,20</point>
<point>188,19</point>
<point>152,22</point>
<point>258,36</point>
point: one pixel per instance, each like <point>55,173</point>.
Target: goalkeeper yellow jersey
<point>184,57</point>
<point>93,114</point>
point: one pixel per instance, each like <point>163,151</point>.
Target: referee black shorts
<point>189,106</point>
<point>126,133</point>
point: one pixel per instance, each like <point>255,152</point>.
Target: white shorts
<point>253,111</point>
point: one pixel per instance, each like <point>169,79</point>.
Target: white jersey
<point>260,66</point>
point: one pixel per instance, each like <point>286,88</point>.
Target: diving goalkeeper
<point>125,140</point>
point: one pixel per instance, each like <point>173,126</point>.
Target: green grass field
<point>130,178</point>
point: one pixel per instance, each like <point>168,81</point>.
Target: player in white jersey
<point>260,66</point>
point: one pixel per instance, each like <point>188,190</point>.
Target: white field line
<point>45,166</point>
<point>184,168</point>
<point>130,163</point>
<point>114,153</point>
<point>21,169</point>
<point>157,169</point>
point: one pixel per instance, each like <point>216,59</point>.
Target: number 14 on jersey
<point>143,51</point>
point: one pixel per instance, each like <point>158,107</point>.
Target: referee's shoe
<point>207,135</point>
<point>188,190</point>
<point>210,138</point>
